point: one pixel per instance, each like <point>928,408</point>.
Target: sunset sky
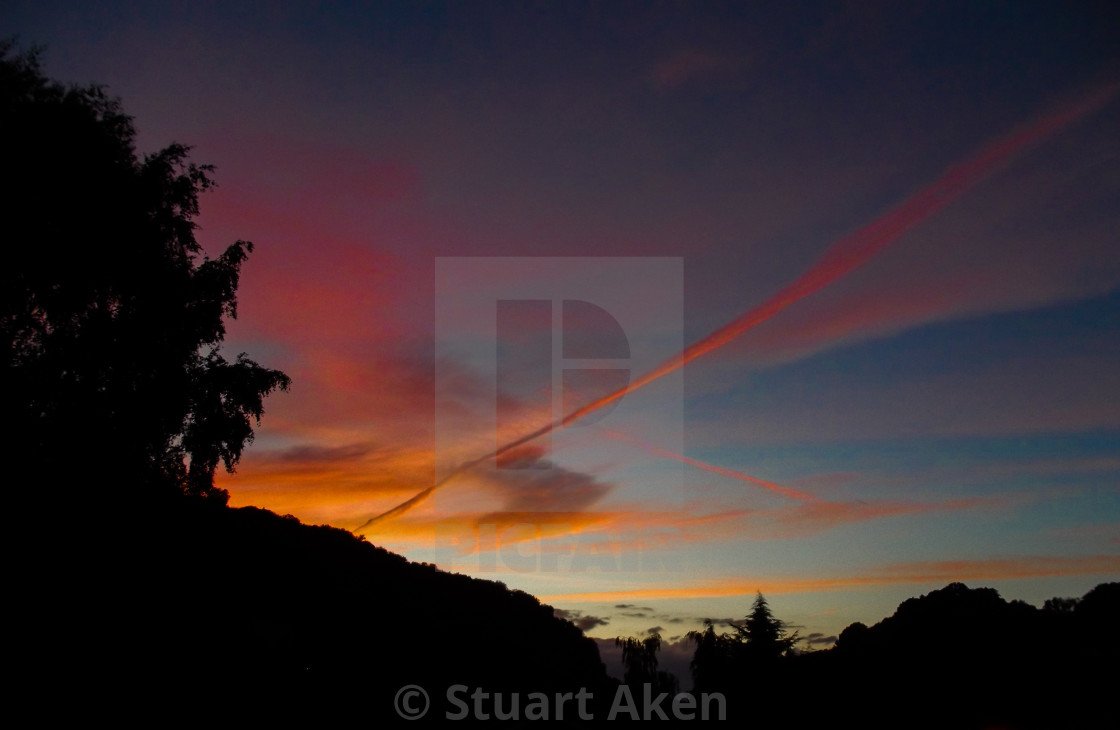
<point>908,213</point>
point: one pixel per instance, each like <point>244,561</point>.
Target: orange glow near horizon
<point>916,572</point>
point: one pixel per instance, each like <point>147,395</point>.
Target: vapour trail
<point>856,248</point>
<point>465,466</point>
<point>842,257</point>
<point>776,488</point>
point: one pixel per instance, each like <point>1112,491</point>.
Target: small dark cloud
<point>586,623</point>
<point>313,454</point>
<point>655,630</point>
<point>551,488</point>
<point>582,622</point>
<point>818,639</point>
<point>676,620</point>
<point>624,605</point>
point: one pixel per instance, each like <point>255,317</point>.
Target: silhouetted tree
<point>763,636</point>
<point>1058,605</point>
<point>111,314</point>
<point>639,656</point>
<point>714,657</point>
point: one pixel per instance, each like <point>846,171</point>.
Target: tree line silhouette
<point>137,593</point>
<point>955,657</point>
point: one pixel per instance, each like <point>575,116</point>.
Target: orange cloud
<point>326,483</point>
<point>642,529</point>
<point>816,517</point>
<point>794,521</point>
<point>914,572</point>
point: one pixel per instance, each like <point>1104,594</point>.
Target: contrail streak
<point>856,248</point>
<point>465,466</point>
<point>842,257</point>
<point>776,488</point>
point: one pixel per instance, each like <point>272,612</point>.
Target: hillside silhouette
<point>956,657</point>
<point>970,658</point>
<point>258,610</point>
<point>212,608</point>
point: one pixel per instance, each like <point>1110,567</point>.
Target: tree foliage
<point>714,658</point>
<point>762,635</point>
<point>639,656</point>
<point>111,314</point>
<point>720,660</point>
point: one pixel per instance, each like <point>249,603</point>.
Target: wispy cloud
<point>663,453</point>
<point>584,622</point>
<point>640,529</point>
<point>857,248</point>
<point>913,572</point>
